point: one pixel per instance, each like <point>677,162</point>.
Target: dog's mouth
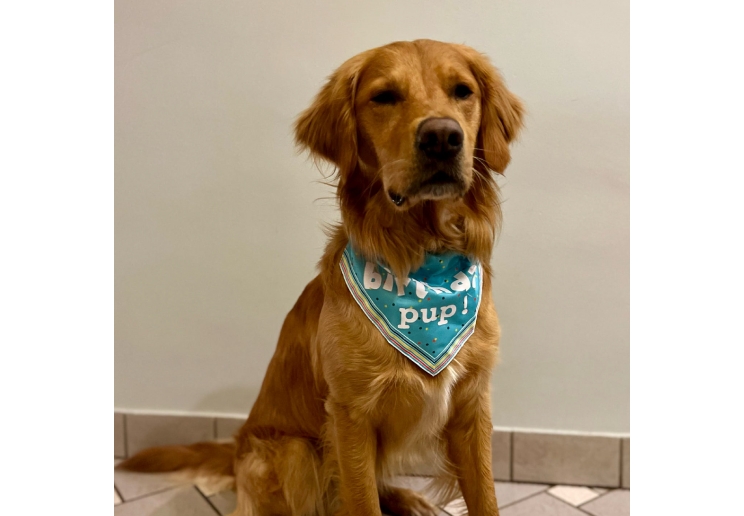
<point>440,185</point>
<point>440,178</point>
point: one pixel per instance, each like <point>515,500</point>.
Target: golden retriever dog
<point>416,131</point>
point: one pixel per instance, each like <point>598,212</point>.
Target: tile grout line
<point>159,491</point>
<point>566,484</point>
<point>577,507</point>
<point>206,499</point>
<point>598,497</point>
<point>119,493</point>
<point>442,509</point>
<point>511,456</point>
<point>532,483</point>
<point>515,502</point>
<point>126,435</point>
<point>585,511</point>
<point>621,463</point>
<point>582,510</point>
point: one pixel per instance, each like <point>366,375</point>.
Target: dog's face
<point>415,117</point>
<point>418,116</point>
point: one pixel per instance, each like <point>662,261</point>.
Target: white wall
<point>218,222</point>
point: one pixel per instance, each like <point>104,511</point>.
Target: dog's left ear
<point>501,112</point>
<point>328,127</point>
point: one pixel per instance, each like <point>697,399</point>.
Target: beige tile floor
<point>138,494</point>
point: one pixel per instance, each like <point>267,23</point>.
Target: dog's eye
<point>462,91</point>
<point>386,97</point>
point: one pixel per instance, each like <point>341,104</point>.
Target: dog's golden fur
<point>340,411</point>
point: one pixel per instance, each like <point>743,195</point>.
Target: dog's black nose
<point>439,138</point>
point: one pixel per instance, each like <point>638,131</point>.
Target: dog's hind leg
<point>278,477</point>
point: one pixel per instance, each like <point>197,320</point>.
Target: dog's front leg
<point>468,437</point>
<point>355,445</point>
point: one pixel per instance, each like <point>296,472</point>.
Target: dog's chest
<point>436,402</point>
<point>416,415</point>
<point>410,434</point>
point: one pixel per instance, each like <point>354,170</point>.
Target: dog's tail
<point>208,464</point>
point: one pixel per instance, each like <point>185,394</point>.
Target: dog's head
<point>420,119</point>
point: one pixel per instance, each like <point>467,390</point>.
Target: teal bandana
<point>427,316</point>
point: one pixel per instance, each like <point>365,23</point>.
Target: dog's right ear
<point>328,127</point>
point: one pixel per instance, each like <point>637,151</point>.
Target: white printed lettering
<point>447,311</point>
<point>421,289</point>
<point>461,282</point>
<point>401,285</point>
<point>372,278</point>
<point>433,317</point>
<point>388,282</point>
<point>405,320</point>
